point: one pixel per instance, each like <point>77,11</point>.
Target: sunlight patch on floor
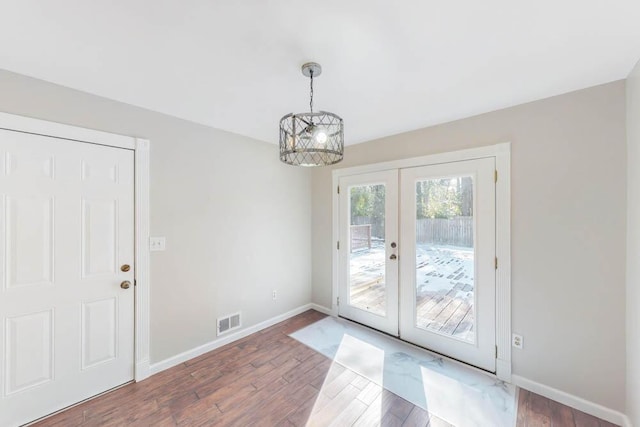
<point>458,394</point>
<point>361,357</point>
<point>343,399</point>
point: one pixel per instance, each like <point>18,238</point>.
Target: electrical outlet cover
<point>517,341</point>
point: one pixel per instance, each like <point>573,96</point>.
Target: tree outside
<point>444,197</point>
<point>367,207</point>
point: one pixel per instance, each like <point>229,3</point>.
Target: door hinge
<point>495,176</point>
<point>135,283</point>
<point>338,189</point>
<point>338,245</point>
<point>338,301</point>
<point>496,352</point>
<point>496,263</point>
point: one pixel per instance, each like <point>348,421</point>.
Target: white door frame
<point>141,164</point>
<point>502,154</point>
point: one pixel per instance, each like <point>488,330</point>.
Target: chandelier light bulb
<point>319,135</point>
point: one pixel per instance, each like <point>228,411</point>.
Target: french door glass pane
<point>444,257</point>
<point>367,290</point>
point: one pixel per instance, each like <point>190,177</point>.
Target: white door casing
<point>67,220</point>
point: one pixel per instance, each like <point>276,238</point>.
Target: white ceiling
<point>388,66</point>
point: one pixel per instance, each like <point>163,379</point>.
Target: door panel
<point>99,237</point>
<point>99,321</point>
<point>29,351</point>
<point>448,259</point>
<point>29,225</point>
<point>66,223</point>
<point>368,268</point>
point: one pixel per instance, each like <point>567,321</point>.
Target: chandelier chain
<point>311,90</point>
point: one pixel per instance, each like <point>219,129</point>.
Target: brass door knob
<point>125,285</point>
<point>393,256</point>
<point>125,268</point>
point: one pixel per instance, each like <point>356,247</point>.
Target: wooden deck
<point>369,296</point>
<point>443,311</point>
<point>445,288</point>
<point>269,379</point>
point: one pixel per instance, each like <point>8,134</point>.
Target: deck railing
<point>360,237</point>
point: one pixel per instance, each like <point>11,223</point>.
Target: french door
<point>66,273</point>
<point>425,270</point>
<point>369,287</point>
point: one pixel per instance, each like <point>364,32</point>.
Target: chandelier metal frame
<point>312,138</point>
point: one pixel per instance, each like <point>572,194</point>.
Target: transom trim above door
<point>376,184</point>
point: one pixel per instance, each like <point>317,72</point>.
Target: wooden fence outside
<point>455,231</point>
<point>443,231</point>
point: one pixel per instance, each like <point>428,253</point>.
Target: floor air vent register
<point>228,323</point>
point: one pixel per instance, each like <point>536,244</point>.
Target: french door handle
<point>393,256</point>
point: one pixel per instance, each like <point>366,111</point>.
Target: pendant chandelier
<point>313,138</point>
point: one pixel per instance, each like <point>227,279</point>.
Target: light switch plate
<point>157,243</point>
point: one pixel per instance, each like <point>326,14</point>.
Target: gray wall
<point>237,221</point>
<point>633,246</point>
<point>568,230</point>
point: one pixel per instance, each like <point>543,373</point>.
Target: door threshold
<point>435,353</point>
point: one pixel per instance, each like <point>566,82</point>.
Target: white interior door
<point>368,264</point>
<point>447,262</point>
<point>67,227</point>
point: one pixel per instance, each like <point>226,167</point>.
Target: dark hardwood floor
<point>270,379</point>
<point>535,410</point>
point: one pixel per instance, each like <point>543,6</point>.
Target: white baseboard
<point>321,309</point>
<point>195,352</point>
<point>575,402</point>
